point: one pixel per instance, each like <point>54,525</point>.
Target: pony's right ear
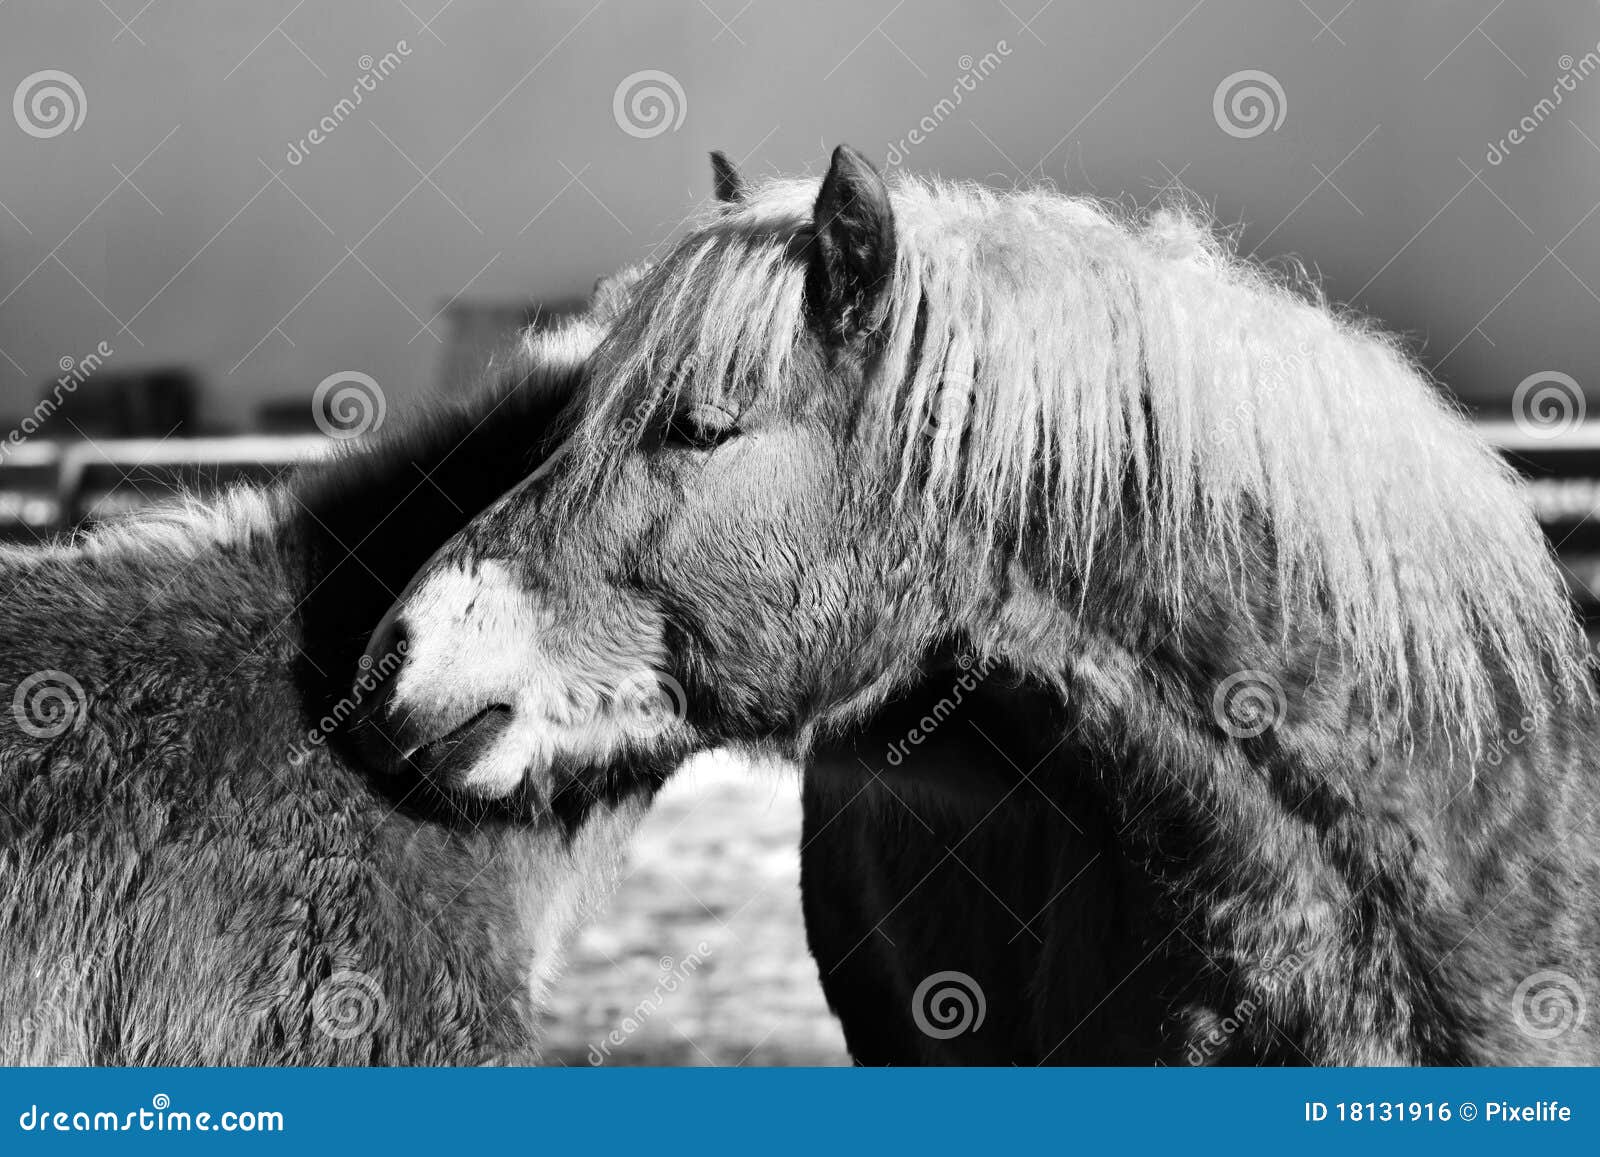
<point>726,180</point>
<point>852,247</point>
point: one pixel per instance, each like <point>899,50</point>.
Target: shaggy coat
<point>192,868</point>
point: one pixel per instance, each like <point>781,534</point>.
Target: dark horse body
<point>991,854</point>
<point>1002,856</point>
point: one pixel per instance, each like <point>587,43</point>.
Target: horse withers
<point>845,432</point>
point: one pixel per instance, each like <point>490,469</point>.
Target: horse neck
<point>1335,877</point>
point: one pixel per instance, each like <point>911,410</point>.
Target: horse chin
<point>472,757</point>
<point>499,751</point>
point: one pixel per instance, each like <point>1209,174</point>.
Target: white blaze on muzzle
<point>479,642</point>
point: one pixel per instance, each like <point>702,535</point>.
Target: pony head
<point>843,432</point>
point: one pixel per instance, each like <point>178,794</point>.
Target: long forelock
<point>1132,378</point>
<point>724,308</point>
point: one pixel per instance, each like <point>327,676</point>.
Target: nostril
<point>376,691</point>
<point>387,648</point>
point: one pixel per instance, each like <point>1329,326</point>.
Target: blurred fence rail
<point>47,488</point>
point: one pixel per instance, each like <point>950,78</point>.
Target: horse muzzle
<point>458,685</point>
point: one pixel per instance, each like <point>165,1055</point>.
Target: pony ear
<point>853,248</point>
<point>726,180</point>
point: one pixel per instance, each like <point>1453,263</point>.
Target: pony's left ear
<point>725,179</point>
<point>852,248</point>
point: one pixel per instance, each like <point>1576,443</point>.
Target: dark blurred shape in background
<point>158,402</point>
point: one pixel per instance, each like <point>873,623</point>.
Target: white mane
<point>1090,364</point>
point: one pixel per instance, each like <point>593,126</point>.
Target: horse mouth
<point>445,760</point>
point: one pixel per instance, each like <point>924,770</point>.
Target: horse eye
<point>701,426</point>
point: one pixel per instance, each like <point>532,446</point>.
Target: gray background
<point>490,166</point>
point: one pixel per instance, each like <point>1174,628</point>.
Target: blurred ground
<point>700,958</point>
